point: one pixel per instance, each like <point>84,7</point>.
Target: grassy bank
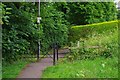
<point>98,68</point>
<point>12,70</point>
<point>90,62</point>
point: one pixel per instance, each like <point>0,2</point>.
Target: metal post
<point>54,54</point>
<point>39,8</point>
<point>38,21</point>
<point>38,51</point>
<point>57,51</point>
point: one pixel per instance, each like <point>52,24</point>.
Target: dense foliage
<point>100,51</point>
<point>82,13</point>
<point>21,34</point>
<point>54,26</point>
<point>101,41</point>
<point>21,31</point>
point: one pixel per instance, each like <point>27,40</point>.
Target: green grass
<point>104,38</point>
<point>98,68</point>
<point>12,70</point>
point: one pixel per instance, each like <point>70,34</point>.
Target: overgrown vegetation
<point>99,40</point>
<point>100,51</point>
<point>21,33</point>
<point>98,45</point>
<point>20,29</point>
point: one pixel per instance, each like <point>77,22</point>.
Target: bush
<point>100,41</point>
<point>98,46</point>
<point>19,32</point>
<point>85,31</point>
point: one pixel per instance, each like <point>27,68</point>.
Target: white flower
<point>103,65</point>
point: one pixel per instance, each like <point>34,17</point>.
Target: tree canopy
<point>81,13</point>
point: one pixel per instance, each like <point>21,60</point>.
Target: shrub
<point>84,31</point>
<point>102,36</point>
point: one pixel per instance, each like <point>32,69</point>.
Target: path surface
<point>34,70</point>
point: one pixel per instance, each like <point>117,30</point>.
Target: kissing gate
<point>55,45</point>
<point>55,53</point>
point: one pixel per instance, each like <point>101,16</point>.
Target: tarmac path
<point>34,70</point>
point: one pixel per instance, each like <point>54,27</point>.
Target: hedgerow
<point>102,36</point>
<point>83,31</point>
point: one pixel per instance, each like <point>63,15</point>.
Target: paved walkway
<point>34,70</point>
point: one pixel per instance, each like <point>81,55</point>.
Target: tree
<point>81,13</point>
<point>54,26</point>
<point>19,31</point>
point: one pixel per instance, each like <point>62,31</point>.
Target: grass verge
<point>98,68</point>
<point>13,70</point>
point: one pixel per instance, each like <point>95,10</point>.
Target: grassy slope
<point>98,68</point>
<point>105,38</point>
<point>12,71</point>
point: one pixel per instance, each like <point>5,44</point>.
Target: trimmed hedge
<point>83,31</point>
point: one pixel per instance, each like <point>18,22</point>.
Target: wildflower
<point>103,65</point>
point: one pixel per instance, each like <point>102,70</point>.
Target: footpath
<point>34,70</point>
